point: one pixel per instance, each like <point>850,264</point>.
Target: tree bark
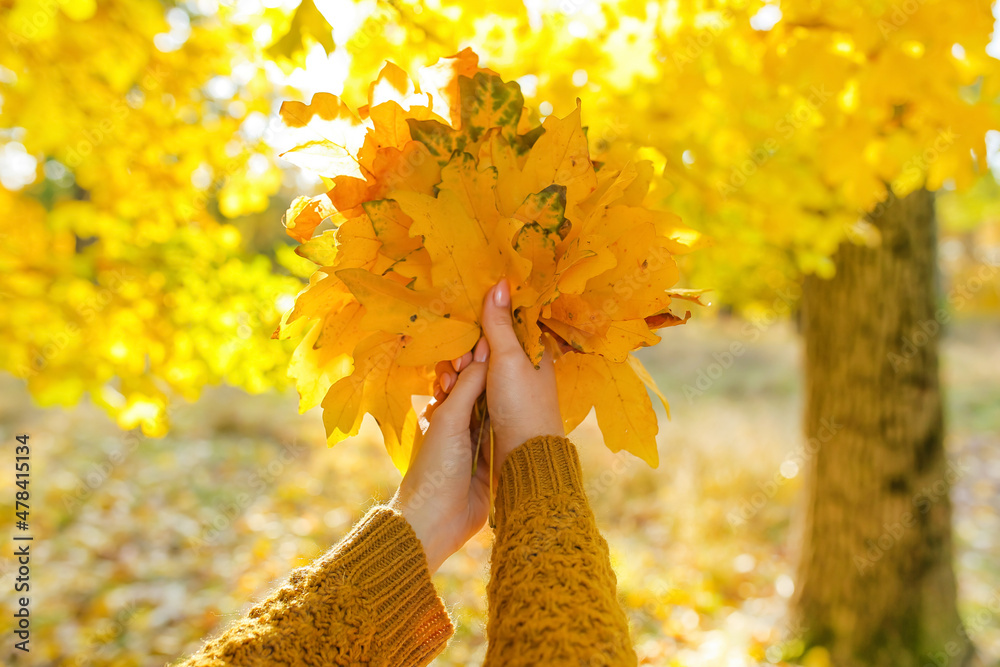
<point>875,584</point>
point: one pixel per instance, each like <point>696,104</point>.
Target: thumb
<point>498,325</point>
<point>455,412</point>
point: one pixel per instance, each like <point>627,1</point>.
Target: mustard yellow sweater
<point>370,600</point>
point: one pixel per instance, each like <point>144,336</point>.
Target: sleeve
<point>367,601</point>
<point>552,593</point>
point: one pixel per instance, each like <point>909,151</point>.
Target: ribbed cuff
<point>383,557</point>
<point>541,467</point>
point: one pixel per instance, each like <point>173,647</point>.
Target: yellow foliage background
<point>143,184</point>
<point>142,261</point>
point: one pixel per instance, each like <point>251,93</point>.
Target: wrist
<point>424,522</point>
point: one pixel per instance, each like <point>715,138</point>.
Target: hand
<point>522,400</point>
<point>439,497</point>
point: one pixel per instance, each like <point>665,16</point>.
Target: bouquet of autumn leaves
<point>438,188</point>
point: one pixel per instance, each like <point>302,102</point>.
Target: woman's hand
<point>439,497</point>
<point>522,400</point>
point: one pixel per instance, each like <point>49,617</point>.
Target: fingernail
<point>455,363</point>
<point>445,383</point>
<point>482,350</point>
<point>501,293</point>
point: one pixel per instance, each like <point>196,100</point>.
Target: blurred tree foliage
<point>143,130</point>
<point>148,136</point>
<point>775,129</point>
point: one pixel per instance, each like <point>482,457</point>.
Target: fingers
<point>498,325</point>
<point>456,411</point>
<point>447,372</point>
<point>461,362</point>
<point>445,378</point>
<point>482,350</point>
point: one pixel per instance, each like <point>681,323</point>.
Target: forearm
<point>369,600</point>
<point>552,593</point>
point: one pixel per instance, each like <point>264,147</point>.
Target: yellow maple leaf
<point>451,190</point>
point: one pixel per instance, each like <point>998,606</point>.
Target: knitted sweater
<point>370,601</point>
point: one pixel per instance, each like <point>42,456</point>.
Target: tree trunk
<point>875,584</point>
